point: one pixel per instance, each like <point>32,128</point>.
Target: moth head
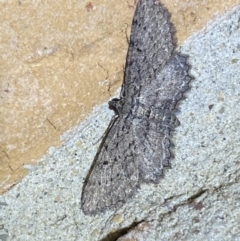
<point>116,105</point>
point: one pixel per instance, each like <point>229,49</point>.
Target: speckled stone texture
<point>61,58</point>
<point>198,199</point>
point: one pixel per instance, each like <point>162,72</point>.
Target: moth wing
<point>155,119</point>
<point>169,86</point>
<point>148,51</point>
<point>114,175</point>
<point>154,149</point>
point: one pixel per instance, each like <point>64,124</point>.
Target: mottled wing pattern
<point>136,146</point>
<point>155,118</point>
<point>169,86</point>
<point>111,181</point>
<point>150,48</point>
<point>153,146</point>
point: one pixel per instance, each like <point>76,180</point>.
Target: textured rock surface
<point>59,59</point>
<point>198,199</point>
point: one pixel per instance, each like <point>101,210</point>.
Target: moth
<point>136,147</point>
